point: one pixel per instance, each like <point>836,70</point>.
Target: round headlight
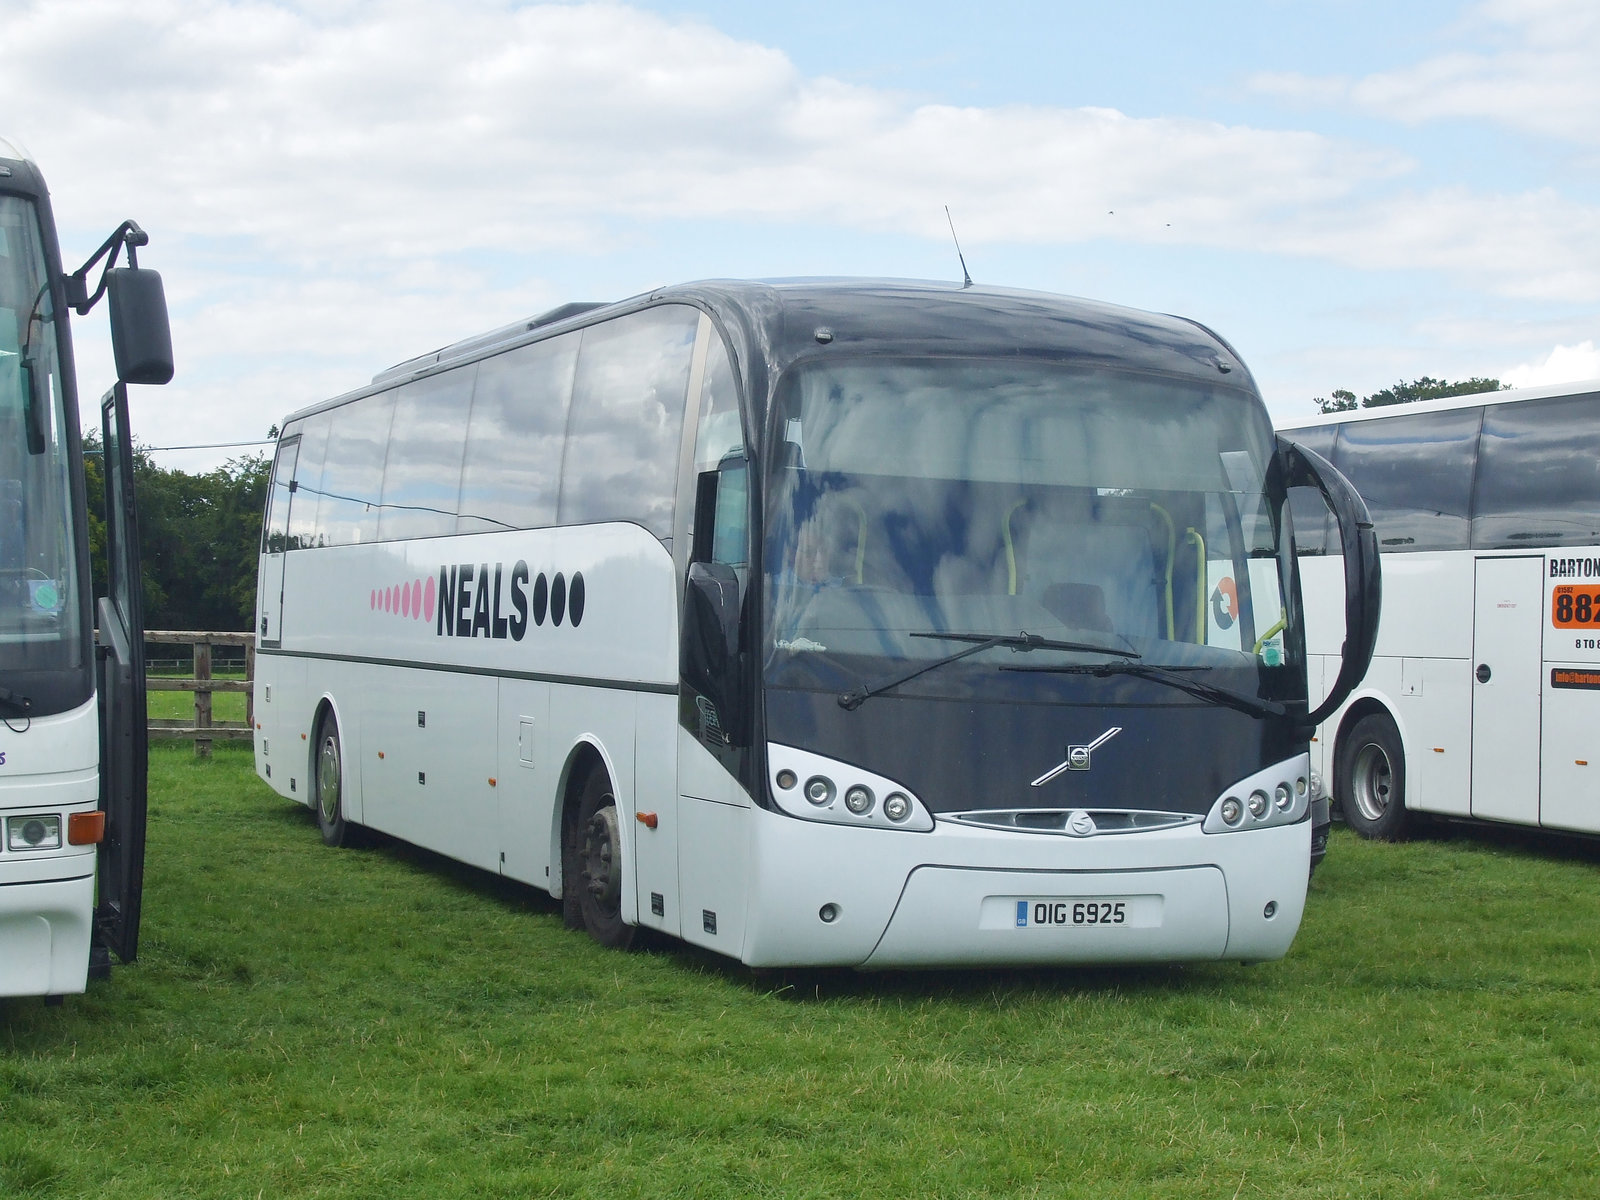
<point>1283,796</point>
<point>819,790</point>
<point>1258,804</point>
<point>896,806</point>
<point>1232,810</point>
<point>858,799</point>
<point>33,832</point>
<point>787,779</point>
<point>1300,786</point>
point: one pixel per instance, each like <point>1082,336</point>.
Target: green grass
<point>380,1023</point>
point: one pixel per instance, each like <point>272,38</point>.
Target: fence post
<point>202,698</point>
<point>250,696</point>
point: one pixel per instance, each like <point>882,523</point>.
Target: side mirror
<point>141,336</point>
<point>1363,583</point>
<point>710,648</point>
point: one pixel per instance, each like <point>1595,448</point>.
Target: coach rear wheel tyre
<point>1372,779</point>
<point>598,856</point>
<point>328,784</point>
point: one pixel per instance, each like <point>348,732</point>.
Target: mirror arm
<point>127,234</point>
<point>1363,590</point>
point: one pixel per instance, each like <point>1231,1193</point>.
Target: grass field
<point>380,1023</point>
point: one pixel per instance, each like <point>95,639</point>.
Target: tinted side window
<point>519,422</point>
<point>1307,509</point>
<point>1415,473</point>
<point>308,483</point>
<point>275,535</point>
<point>422,474</point>
<point>352,476</point>
<point>1539,474</point>
<point>621,457</point>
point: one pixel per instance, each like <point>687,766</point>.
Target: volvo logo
<point>1077,757</point>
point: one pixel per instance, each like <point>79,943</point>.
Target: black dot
<point>575,599</point>
<point>558,597</point>
<point>541,598</point>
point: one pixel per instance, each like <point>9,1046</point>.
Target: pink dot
<point>416,599</point>
<point>388,599</point>
<point>373,600</point>
<point>405,600</point>
<point>427,600</point>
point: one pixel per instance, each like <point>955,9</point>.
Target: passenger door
<point>275,541</point>
<point>119,664</point>
<point>1507,666</point>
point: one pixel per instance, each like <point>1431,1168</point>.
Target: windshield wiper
<point>855,697</point>
<point>1254,705</point>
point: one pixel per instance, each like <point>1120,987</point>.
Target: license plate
<point>1070,912</point>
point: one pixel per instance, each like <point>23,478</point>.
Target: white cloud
<point>1536,76</point>
<point>315,177</point>
<point>1564,364</point>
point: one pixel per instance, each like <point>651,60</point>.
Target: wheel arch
<point>1362,706</point>
<point>587,754</point>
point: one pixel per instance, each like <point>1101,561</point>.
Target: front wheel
<point>327,783</point>
<point>1371,779</point>
<point>594,855</point>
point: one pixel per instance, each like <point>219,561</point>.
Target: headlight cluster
<point>1278,795</point>
<point>36,832</point>
<point>815,788</point>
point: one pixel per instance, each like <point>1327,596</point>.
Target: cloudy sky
<point>1353,192</point>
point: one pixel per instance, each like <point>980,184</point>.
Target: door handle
<point>1483,672</point>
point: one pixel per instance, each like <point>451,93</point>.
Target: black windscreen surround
<point>1313,523</point>
<point>1415,473</point>
<point>1539,474</point>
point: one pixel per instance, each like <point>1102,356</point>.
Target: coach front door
<point>1507,662</point>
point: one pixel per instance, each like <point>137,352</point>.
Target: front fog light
<point>33,833</point>
<point>1232,810</point>
<point>1282,796</point>
<point>819,791</point>
<point>787,779</point>
<point>858,800</point>
<point>1258,804</point>
<point>896,807</point>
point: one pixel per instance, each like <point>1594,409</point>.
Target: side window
<point>1539,474</point>
<point>620,462</point>
<point>1307,509</point>
<point>275,534</point>
<point>1415,473</point>
<point>422,474</point>
<point>519,421</point>
<point>308,483</point>
<point>352,476</point>
<point>719,446</point>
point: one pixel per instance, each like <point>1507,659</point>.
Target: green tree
<point>198,538</point>
<point>1424,388</point>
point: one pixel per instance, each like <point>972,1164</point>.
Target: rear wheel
<point>327,782</point>
<point>595,866</point>
<point>1371,779</point>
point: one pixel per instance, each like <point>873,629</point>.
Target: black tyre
<point>327,783</point>
<point>1370,779</point>
<point>594,868</point>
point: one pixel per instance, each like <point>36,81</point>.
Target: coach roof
<point>772,323</point>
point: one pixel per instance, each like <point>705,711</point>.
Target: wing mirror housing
<point>141,335</point>
<point>1363,581</point>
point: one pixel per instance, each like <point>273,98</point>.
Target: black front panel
<point>958,755</point>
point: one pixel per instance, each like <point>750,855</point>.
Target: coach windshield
<point>39,615</point>
<point>918,506</point>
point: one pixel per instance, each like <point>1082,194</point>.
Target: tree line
<point>1425,388</point>
<point>199,536</point>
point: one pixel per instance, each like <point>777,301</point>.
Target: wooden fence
<point>203,729</point>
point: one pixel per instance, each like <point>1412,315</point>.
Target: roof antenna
<point>966,280</point>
